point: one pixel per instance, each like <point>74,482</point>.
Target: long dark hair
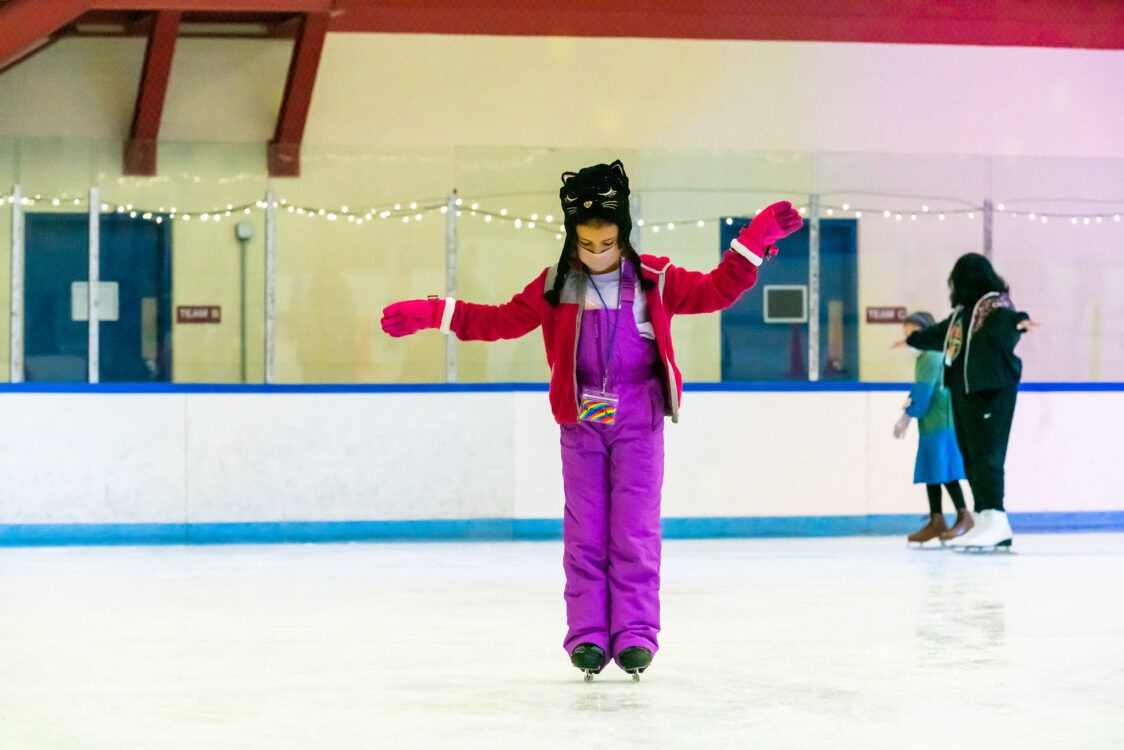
<point>972,277</point>
<point>569,261</point>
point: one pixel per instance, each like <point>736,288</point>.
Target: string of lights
<point>416,211</point>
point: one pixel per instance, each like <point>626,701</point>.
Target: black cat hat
<point>597,192</point>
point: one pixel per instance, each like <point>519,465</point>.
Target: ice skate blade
<point>932,544</point>
<point>589,676</point>
<point>977,549</point>
<point>636,677</point>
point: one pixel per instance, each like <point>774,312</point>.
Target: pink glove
<point>756,241</point>
<point>411,316</point>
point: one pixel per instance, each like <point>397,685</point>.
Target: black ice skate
<point>589,659</point>
<point>634,660</point>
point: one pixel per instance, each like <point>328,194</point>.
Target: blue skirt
<point>938,459</point>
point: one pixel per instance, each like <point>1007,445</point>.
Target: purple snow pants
<point>612,476</point>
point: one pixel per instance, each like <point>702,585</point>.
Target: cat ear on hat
<point>567,176</point>
<point>617,167</point>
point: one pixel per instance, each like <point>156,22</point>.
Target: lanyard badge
<point>600,407</point>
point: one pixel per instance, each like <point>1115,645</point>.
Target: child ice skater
<point>938,458</point>
<point>982,372</point>
<point>605,312</point>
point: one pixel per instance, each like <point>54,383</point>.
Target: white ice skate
<point>992,533</point>
<point>978,520</point>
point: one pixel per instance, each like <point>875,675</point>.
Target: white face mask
<point>600,262</point>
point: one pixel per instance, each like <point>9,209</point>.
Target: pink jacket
<point>677,291</point>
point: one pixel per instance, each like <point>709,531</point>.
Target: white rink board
<point>258,457</point>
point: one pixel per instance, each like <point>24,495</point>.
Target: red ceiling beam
<point>26,25</point>
<point>226,6</point>
<point>1097,24</point>
<point>101,24</point>
<point>140,148</point>
<point>285,148</point>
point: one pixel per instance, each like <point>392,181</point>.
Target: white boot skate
<point>992,533</point>
<point>978,520</point>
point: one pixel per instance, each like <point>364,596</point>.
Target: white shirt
<point>609,284</point>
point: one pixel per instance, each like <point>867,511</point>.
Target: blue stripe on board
<point>346,388</point>
<point>799,386</point>
<point>507,529</point>
<point>789,526</point>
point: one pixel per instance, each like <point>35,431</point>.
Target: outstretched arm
<point>931,338</point>
<point>468,321</point>
<point>694,292</point>
<point>1006,327</point>
<point>523,314</point>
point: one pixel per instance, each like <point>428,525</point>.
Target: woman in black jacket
<point>982,373</point>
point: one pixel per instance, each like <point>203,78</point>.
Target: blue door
<point>135,301</point>
<point>756,346</point>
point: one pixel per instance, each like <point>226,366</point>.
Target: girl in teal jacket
<point>938,458</point>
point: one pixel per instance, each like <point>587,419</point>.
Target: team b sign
<point>198,314</point>
<point>885,315</point>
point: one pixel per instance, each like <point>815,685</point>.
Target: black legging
<point>954,492</point>
<point>983,425</point>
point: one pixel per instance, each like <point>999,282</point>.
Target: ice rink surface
<point>766,643</point>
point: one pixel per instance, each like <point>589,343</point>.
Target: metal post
<point>814,287</point>
<point>243,231</point>
<point>988,218</point>
<point>988,210</point>
<point>93,284</point>
<point>451,281</point>
<point>242,308</point>
<point>270,281</point>
<point>15,353</point>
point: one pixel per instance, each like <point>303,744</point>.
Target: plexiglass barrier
<point>213,272</point>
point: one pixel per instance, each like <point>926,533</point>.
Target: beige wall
<point>444,90</point>
<point>753,96</point>
<point>334,277</point>
<point>705,128</point>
